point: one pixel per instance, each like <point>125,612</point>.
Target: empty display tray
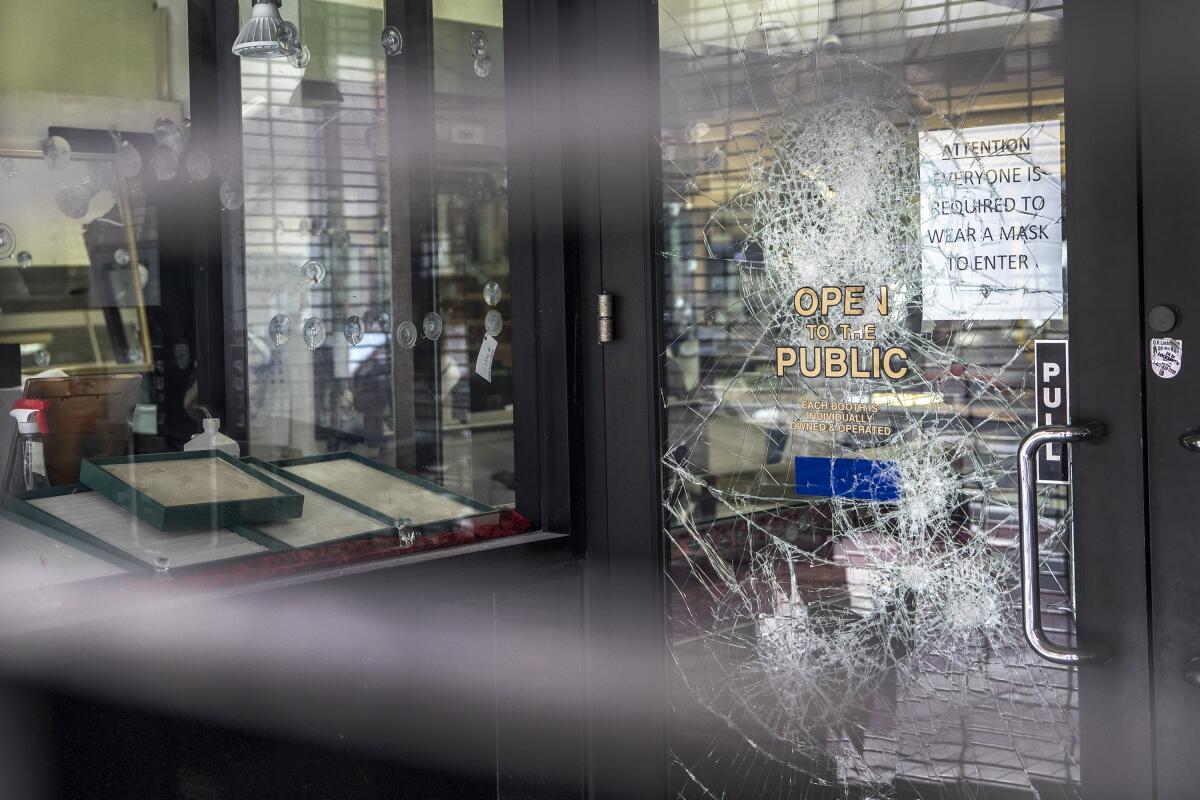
<point>327,517</point>
<point>204,489</point>
<point>380,490</point>
<point>92,523</point>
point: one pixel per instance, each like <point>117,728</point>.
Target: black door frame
<point>1170,88</point>
<point>1109,502</point>
<point>611,123</point>
<point>617,117</point>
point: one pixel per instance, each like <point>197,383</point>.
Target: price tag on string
<point>483,361</point>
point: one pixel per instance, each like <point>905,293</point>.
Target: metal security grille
<point>316,189</point>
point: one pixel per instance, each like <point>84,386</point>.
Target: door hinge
<point>604,318</point>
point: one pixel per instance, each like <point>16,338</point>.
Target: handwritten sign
<point>991,222</point>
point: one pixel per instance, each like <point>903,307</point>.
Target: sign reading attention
<point>1050,364</point>
<point>991,222</point>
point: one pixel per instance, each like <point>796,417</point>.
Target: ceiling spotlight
<point>260,38</point>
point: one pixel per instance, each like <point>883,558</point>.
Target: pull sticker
<point>1166,357</point>
<point>1052,405</point>
<point>483,362</point>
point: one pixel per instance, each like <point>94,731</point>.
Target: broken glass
<point>847,374</point>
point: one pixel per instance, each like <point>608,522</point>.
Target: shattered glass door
<point>863,240</point>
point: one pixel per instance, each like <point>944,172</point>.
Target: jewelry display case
<point>302,235</point>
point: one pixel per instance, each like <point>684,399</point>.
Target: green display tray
<point>284,468</point>
<point>17,508</point>
<point>287,504</point>
<point>18,505</point>
<point>385,524</point>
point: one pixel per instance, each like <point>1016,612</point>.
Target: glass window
<point>863,238</point>
<point>263,328</point>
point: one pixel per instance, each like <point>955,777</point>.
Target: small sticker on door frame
<point>1166,357</point>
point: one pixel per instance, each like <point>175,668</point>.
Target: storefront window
<point>254,308</point>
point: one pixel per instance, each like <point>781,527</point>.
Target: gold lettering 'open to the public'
<point>811,302</point>
<point>839,362</point>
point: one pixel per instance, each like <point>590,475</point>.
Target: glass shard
<point>843,571</point>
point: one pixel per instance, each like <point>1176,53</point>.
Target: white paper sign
<point>991,222</point>
<point>483,362</point>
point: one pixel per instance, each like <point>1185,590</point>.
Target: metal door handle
<point>1027,517</point>
<point>1191,440</point>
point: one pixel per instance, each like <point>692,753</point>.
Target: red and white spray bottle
<point>31,427</point>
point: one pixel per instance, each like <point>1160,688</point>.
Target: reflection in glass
<point>392,40</point>
<point>313,332</point>
<point>280,329</point>
<point>300,57</point>
<point>313,271</point>
<point>56,152</point>
<point>862,638</point>
<point>353,330</point>
<point>316,162</point>
<point>8,241</point>
<point>491,293</point>
<point>167,134</point>
<point>165,163</point>
<point>406,334</point>
<point>129,160</point>
<point>199,165</point>
<point>231,192</point>
<point>74,201</point>
<point>431,326</point>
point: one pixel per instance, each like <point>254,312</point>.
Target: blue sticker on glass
<point>851,478</point>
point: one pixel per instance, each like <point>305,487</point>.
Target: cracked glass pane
<point>863,239</point>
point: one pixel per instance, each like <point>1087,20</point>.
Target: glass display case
<point>255,268</point>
